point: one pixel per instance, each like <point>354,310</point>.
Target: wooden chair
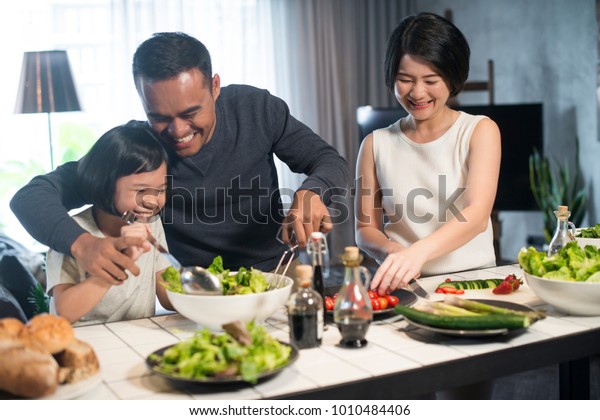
<point>476,85</point>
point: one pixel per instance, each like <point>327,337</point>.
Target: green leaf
<point>39,299</point>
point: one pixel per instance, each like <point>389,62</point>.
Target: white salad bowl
<point>582,242</point>
<point>214,311</point>
<point>570,297</point>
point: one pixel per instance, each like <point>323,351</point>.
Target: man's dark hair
<point>124,150</point>
<point>166,54</point>
<point>434,39</point>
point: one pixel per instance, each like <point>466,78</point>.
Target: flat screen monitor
<point>521,127</point>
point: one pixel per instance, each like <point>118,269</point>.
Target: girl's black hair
<point>127,149</point>
<point>434,39</point>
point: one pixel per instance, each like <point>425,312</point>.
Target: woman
<point>125,170</point>
<point>432,174</point>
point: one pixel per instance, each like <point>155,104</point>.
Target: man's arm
<point>328,174</point>
<point>42,207</point>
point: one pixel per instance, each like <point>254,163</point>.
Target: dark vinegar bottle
<point>317,248</point>
<point>305,311</point>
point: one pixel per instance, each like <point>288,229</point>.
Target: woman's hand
<point>398,268</point>
<point>135,230</point>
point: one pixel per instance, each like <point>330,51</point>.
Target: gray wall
<point>544,51</point>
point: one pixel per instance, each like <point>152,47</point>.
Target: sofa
<point>21,271</point>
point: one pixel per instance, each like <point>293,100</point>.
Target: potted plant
<point>553,187</point>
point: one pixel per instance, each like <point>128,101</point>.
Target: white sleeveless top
<point>423,187</point>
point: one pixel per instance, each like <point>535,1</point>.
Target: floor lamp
<point>46,86</point>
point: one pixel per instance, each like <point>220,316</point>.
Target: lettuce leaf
<point>244,282</point>
<point>207,354</point>
<point>570,263</point>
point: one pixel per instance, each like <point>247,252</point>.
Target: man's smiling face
<point>181,109</point>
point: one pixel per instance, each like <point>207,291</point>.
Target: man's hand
<point>308,214</point>
<point>103,257</point>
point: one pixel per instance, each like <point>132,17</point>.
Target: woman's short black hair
<point>124,150</point>
<point>434,39</point>
<point>167,54</point>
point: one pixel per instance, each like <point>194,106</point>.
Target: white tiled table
<point>399,361</point>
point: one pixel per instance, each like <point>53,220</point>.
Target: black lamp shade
<point>46,84</point>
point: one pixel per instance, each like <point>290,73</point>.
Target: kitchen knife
<point>415,287</point>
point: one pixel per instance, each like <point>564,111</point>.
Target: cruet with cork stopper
<point>565,230</point>
<point>352,312</point>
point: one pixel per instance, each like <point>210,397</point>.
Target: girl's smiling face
<point>419,88</point>
<point>143,193</point>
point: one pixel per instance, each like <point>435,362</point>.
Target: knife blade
<point>416,287</point>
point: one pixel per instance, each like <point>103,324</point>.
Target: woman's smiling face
<point>419,88</point>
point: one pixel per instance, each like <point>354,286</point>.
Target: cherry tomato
<point>373,294</point>
<point>392,300</point>
<point>329,303</point>
<point>383,303</point>
<point>375,304</point>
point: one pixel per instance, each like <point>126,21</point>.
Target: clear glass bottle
<point>352,312</point>
<point>305,311</point>
<point>562,235</point>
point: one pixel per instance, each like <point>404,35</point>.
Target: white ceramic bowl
<point>570,297</point>
<point>214,311</point>
<point>582,242</point>
<point>586,241</point>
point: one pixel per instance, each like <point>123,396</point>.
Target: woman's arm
<point>482,182</point>
<point>368,207</point>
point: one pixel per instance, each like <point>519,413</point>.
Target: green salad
<point>592,232</point>
<point>207,355</point>
<point>570,263</point>
<point>245,281</point>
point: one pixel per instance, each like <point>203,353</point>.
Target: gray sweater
<point>224,200</point>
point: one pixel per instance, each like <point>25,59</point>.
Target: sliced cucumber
<point>482,322</point>
<point>472,284</point>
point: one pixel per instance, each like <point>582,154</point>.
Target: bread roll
<point>54,332</point>
<point>11,327</point>
<point>77,362</point>
<point>26,372</point>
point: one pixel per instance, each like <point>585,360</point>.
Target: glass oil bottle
<point>565,230</point>
<point>352,312</point>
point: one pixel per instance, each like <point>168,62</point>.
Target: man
<point>224,191</point>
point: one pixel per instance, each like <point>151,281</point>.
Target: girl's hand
<point>397,270</point>
<point>135,230</point>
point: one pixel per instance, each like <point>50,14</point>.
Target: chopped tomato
<point>449,290</point>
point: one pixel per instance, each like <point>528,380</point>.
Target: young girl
<point>434,173</point>
<point>124,171</point>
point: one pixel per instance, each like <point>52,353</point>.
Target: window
<point>100,37</point>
